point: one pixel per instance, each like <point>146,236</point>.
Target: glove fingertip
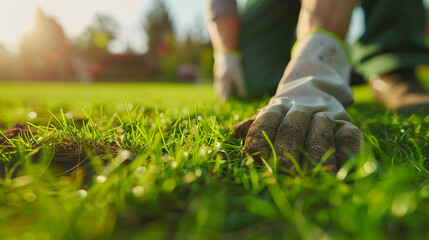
<point>240,129</point>
<point>350,139</point>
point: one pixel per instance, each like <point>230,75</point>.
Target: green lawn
<point>158,161</point>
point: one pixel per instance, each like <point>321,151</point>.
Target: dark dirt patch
<point>15,131</point>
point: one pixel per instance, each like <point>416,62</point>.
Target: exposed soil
<point>69,156</point>
<point>16,130</point>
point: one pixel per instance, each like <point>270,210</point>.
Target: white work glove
<point>228,76</point>
<point>307,112</point>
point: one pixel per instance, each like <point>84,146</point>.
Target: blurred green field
<point>158,161</point>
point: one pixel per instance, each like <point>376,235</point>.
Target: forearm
<point>224,25</point>
<point>224,33</point>
<point>331,15</point>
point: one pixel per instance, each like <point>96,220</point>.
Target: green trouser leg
<point>267,36</point>
<point>393,38</point>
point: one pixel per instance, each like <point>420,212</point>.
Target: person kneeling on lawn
<point>308,108</point>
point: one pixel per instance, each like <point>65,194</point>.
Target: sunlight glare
<point>15,19</point>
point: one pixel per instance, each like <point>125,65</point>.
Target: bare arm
<point>224,33</point>
<point>331,15</point>
<point>224,25</point>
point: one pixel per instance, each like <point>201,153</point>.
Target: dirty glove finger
<point>255,140</point>
<point>240,129</point>
<point>320,139</point>
<point>347,138</point>
<point>291,137</point>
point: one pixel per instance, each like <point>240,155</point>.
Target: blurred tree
<point>44,50</point>
<point>162,45</point>
<point>158,26</point>
<point>197,50</point>
<point>90,49</point>
<point>93,42</point>
<point>189,50</point>
<point>6,64</point>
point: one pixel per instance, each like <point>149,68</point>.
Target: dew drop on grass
<point>236,117</point>
<point>123,155</point>
<point>369,167</point>
<point>169,185</point>
<point>101,178</point>
<point>200,118</point>
<point>399,208</point>
<point>138,191</point>
<point>153,169</point>
<point>185,154</point>
<point>198,173</point>
<point>342,173</point>
<point>166,158</point>
<point>190,177</point>
<point>173,164</point>
<point>81,193</point>
<point>202,152</point>
<point>140,171</point>
<point>32,115</point>
<point>69,115</point>
<point>29,196</point>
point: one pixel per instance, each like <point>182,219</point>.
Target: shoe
<point>400,91</point>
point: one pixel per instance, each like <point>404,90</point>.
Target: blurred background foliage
<point>45,53</point>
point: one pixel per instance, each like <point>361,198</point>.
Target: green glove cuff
<point>329,33</point>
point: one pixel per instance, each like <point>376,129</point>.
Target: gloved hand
<point>307,110</point>
<point>228,75</point>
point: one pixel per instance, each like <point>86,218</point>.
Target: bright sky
<point>74,16</point>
